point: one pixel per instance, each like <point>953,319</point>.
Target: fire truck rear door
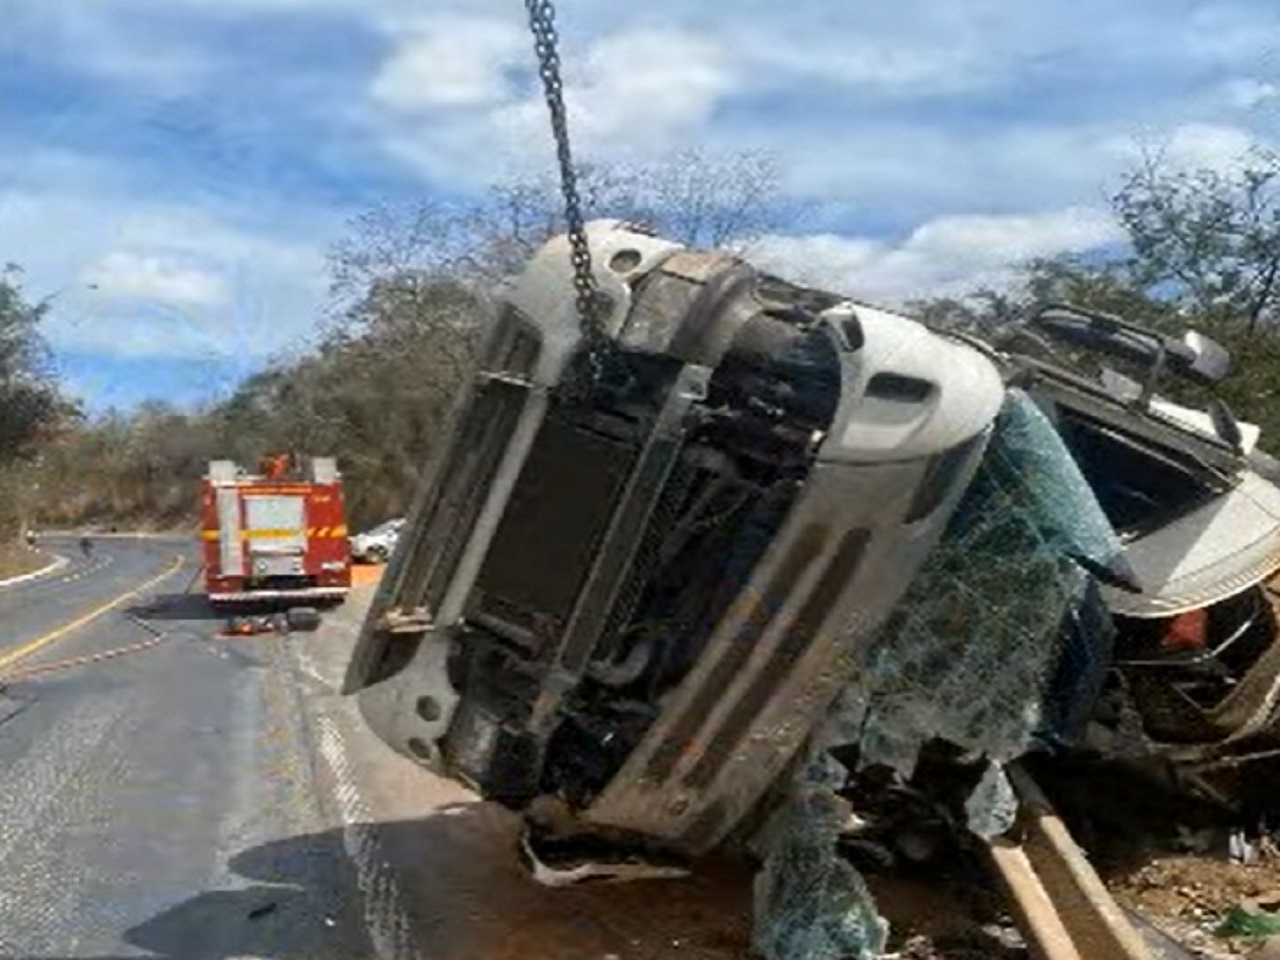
<point>276,526</point>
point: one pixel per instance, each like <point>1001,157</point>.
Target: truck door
<point>276,529</point>
<point>230,543</point>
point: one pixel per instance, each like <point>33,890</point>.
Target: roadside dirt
<point>1188,896</point>
<point>467,897</point>
<point>17,560</point>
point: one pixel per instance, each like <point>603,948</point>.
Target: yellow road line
<point>27,649</point>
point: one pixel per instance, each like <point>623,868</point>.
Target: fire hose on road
<point>240,627</point>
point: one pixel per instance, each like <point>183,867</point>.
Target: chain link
<point>542,22</point>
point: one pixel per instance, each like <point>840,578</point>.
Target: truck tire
<point>376,554</point>
<point>303,618</point>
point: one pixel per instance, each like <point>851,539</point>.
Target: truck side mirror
<point>1211,360</point>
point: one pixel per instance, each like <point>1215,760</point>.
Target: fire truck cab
<point>278,535</point>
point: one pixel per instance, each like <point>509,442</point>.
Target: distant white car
<point>377,545</point>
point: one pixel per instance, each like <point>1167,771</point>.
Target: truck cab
<point>640,596</point>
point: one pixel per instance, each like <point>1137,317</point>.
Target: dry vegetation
<point>16,560</point>
<point>411,292</point>
<point>412,287</point>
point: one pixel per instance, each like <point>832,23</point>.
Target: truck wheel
<point>303,618</point>
<point>377,554</point>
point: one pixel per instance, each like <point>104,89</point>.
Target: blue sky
<point>173,171</point>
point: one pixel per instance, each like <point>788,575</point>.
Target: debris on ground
<point>1202,899</point>
<point>293,620</point>
<point>11,706</point>
<point>810,901</point>
<point>1250,919</point>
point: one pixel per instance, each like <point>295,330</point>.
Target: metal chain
<point>542,22</point>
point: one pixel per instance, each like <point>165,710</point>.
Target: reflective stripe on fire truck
<point>317,533</point>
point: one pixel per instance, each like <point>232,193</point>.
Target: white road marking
<point>53,567</point>
<point>384,911</point>
<point>306,665</point>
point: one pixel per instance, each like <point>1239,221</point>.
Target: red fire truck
<point>278,535</point>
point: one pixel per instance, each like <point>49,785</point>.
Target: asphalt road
<point>214,799</point>
<point>149,802</point>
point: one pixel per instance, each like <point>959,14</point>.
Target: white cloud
<point>1229,33</point>
<point>896,116</point>
<point>650,86</point>
<point>140,279</point>
<point>1204,145</point>
<point>1249,92</point>
<point>946,256</point>
<point>925,59</point>
<point>641,88</point>
<point>96,39</point>
<point>637,91</point>
<point>908,173</point>
<point>881,68</point>
<point>450,61</point>
<point>132,275</point>
<point>1189,146</point>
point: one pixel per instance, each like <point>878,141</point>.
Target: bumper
<point>306,593</point>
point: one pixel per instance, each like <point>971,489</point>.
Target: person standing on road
<point>86,547</point>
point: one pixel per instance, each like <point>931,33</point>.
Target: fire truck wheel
<point>303,618</point>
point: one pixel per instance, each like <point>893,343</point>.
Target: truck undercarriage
<point>643,603</point>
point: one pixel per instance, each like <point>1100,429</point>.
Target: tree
<point>696,198</point>
<point>1251,392</point>
<point>30,405</point>
<point>1208,239</point>
<point>29,400</point>
<point>412,292</point>
<point>721,202</point>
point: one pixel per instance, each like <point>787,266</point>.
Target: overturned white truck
<point>642,600</point>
